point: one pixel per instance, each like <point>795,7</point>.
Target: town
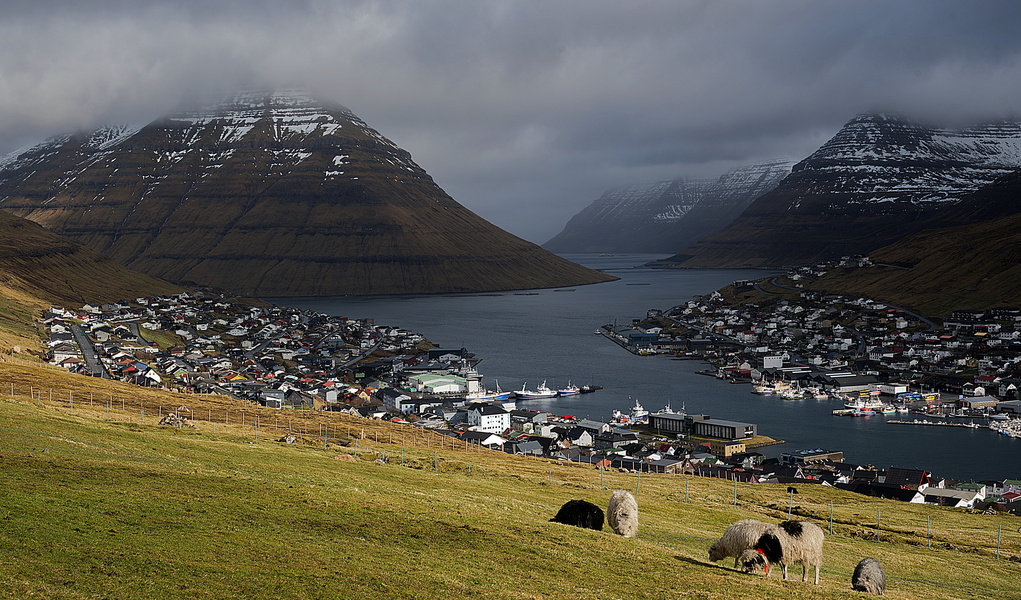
<point>290,359</point>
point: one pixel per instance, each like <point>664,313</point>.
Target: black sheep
<point>580,514</point>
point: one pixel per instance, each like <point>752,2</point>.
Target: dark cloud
<point>526,112</point>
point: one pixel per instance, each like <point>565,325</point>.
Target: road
<point>88,351</point>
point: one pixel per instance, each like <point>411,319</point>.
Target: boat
<point>570,390</point>
<point>588,389</point>
<point>864,403</point>
<point>638,413</point>
<point>488,395</point>
<point>888,409</point>
<point>540,392</point>
<point>999,417</point>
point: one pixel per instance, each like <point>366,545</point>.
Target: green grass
<point>96,509</point>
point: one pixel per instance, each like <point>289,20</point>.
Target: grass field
<point>119,509</point>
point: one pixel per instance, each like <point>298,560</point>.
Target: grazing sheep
<point>622,513</point>
<point>736,538</point>
<point>784,544</point>
<point>580,514</point>
<point>869,577</point>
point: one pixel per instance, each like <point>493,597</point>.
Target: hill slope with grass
<point>39,268</point>
<point>975,266</point>
<point>101,503</point>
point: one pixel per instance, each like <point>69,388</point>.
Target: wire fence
<point>411,446</point>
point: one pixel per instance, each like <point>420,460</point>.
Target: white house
<point>488,417</point>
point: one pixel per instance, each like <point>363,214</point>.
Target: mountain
<point>270,194</point>
<point>976,266</point>
<point>877,180</point>
<point>667,215</point>
<point>39,267</point>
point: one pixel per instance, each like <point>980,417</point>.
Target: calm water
<point>525,338</point>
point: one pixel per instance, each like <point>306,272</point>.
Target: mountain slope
<point>667,215</point>
<point>938,270</point>
<point>41,268</point>
<point>879,179</point>
<point>271,194</point>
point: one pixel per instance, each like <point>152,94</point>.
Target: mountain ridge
<point>877,180</point>
<point>664,216</point>
<point>271,194</point>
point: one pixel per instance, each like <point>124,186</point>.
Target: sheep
<point>622,513</point>
<point>869,577</point>
<point>784,544</point>
<point>736,538</point>
<point>580,514</point>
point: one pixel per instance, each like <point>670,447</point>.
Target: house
<point>272,398</point>
<point>483,416</point>
<point>949,497</point>
<point>396,400</point>
<point>482,438</point>
<point>614,439</point>
<point>909,479</point>
<point>525,447</point>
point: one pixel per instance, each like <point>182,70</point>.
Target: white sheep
<point>869,577</point>
<point>736,538</point>
<point>787,543</point>
<point>622,513</point>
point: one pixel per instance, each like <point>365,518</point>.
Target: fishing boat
<point>488,395</point>
<point>638,413</point>
<point>864,403</point>
<point>570,390</point>
<point>540,392</point>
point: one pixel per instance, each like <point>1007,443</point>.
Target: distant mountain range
<point>879,179</point>
<point>270,193</point>
<point>666,216</point>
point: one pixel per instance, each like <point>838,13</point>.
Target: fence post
<point>831,517</point>
<point>928,532</point>
<point>326,435</point>
<point>999,535</point>
<point>879,520</point>
<point>790,506</point>
<point>735,498</point>
<point>686,480</point>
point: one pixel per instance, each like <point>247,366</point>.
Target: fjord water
<point>530,336</point>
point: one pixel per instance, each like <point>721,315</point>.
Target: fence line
<point>344,430</point>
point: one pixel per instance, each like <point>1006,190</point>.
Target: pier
<point>938,424</point>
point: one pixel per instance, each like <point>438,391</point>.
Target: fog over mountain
<point>525,112</point>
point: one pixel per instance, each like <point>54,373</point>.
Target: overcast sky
<point>526,112</point>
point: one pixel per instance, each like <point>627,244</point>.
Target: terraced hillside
<point>270,194</point>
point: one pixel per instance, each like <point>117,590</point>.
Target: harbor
<point>558,340</point>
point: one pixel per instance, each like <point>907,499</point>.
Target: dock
<point>938,424</point>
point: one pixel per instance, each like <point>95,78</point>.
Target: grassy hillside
<point>939,270</point>
<point>39,269</point>
<point>125,509</point>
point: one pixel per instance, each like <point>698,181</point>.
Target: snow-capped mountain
<point>270,193</point>
<point>878,179</point>
<point>667,215</point>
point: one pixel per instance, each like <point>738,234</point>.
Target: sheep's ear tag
<point>765,563</point>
